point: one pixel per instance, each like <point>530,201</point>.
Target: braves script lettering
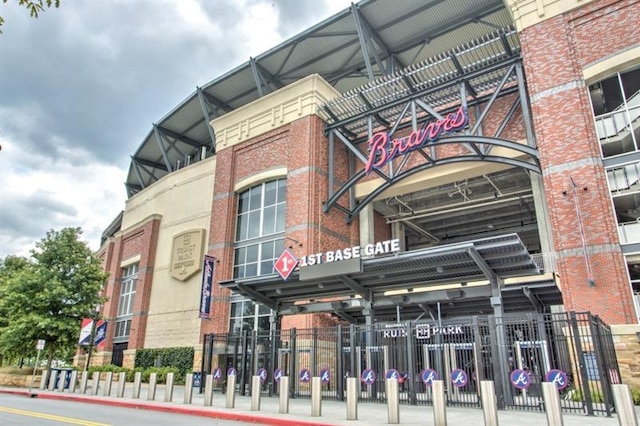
<point>382,150</point>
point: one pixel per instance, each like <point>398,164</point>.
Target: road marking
<point>51,417</point>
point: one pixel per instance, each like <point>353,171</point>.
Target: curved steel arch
<point>476,154</point>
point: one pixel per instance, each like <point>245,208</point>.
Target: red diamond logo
<point>285,264</point>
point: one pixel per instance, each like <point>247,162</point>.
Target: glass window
<point>125,302</point>
<point>259,241</point>
<point>260,229</point>
<point>248,316</point>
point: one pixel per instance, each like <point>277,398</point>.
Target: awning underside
<point>454,278</point>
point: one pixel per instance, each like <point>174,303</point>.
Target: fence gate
<point>573,350</point>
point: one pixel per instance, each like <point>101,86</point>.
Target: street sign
<point>285,264</point>
<point>40,345</point>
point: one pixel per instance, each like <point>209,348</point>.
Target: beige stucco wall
<point>291,103</point>
<point>526,13</point>
<point>183,200</point>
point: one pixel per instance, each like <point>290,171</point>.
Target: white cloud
<point>82,84</point>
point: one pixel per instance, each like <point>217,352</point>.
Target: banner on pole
<point>100,332</point>
<point>205,291</point>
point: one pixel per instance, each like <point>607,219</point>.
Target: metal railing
<point>462,352</point>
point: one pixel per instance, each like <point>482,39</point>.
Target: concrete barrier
<point>623,402</point>
<point>231,392</point>
<point>439,404</point>
<point>95,382</point>
<point>137,384</point>
<point>393,401</point>
<point>489,403</point>
<point>122,384</point>
<point>73,381</point>
<point>316,397</point>
<point>108,381</point>
<point>153,383</point>
<point>283,387</point>
<point>52,380</point>
<point>84,379</point>
<point>208,390</point>
<point>188,388</point>
<point>352,398</point>
<point>168,388</point>
<point>552,404</point>
<point>255,393</point>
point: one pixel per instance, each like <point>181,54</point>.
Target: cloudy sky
<point>81,86</point>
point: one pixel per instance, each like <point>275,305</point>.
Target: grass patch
<point>24,371</point>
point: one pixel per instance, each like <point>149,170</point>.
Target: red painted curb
<point>178,409</point>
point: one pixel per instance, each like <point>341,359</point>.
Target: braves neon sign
<point>382,149</point>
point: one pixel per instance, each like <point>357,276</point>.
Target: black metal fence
<point>573,350</point>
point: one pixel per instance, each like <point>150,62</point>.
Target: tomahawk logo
<point>521,379</point>
<point>325,376</point>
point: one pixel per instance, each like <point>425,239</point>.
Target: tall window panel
<point>260,229</point>
<point>259,242</point>
<point>125,303</point>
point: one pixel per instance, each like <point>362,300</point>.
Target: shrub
<point>576,396</point>
<point>635,395</point>
<point>179,358</point>
<point>161,373</point>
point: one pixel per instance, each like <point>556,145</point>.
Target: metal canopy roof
<point>370,39</point>
<point>417,278</point>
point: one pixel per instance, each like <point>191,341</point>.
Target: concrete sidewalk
<point>333,412</point>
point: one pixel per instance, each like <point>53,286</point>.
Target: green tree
<point>33,6</point>
<point>47,297</point>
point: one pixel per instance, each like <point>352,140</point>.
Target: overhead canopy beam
<point>254,295</point>
<point>355,286</point>
<point>182,138</point>
<point>482,264</point>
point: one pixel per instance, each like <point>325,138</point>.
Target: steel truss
<point>416,96</point>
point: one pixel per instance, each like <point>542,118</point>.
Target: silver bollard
<point>43,379</point>
<point>61,379</point>
<point>95,382</point>
<point>352,398</point>
<point>52,380</point>
<point>137,384</point>
<point>439,404</point>
<point>393,401</point>
<point>168,388</point>
<point>552,404</point>
<point>231,392</point>
<point>84,379</point>
<point>208,390</point>
<point>122,383</point>
<point>255,393</point>
<point>108,380</point>
<point>153,382</point>
<point>316,397</point>
<point>283,387</point>
<point>188,388</point>
<point>72,381</point>
<point>489,403</point>
<point>624,405</point>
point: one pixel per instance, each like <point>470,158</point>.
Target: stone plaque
<point>186,254</point>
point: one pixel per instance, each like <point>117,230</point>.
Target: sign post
<point>39,347</point>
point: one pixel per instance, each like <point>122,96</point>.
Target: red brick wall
<point>141,241</point>
<point>302,149</point>
<point>555,52</point>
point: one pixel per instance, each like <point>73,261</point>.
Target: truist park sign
<point>382,149</point>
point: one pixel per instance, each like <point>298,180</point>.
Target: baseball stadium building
<point>407,186</point>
